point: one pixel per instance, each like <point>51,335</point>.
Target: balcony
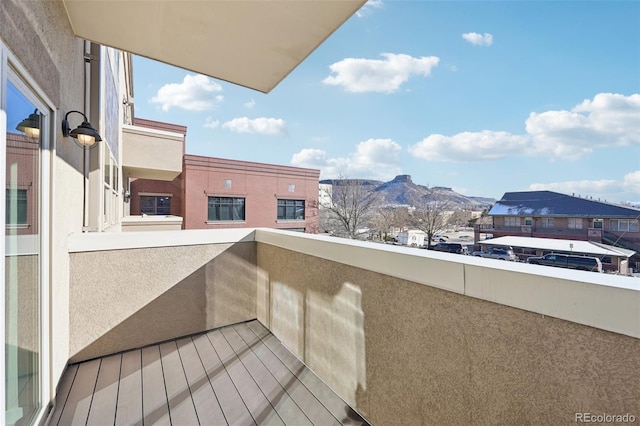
<point>404,336</point>
<point>151,153</point>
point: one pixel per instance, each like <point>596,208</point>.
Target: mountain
<point>401,190</point>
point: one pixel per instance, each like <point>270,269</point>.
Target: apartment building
<point>549,214</point>
<point>217,193</point>
<point>403,336</point>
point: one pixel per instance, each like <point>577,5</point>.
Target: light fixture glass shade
<point>30,126</point>
<point>85,135</point>
<point>32,132</point>
<point>86,140</point>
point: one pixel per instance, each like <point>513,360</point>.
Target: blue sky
<point>485,97</point>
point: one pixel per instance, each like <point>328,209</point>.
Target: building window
<point>16,207</point>
<point>511,221</point>
<point>574,223</point>
<point>159,205</point>
<point>290,209</point>
<point>597,223</point>
<point>546,222</point>
<point>225,209</point>
<point>624,225</point>
<point>528,221</point>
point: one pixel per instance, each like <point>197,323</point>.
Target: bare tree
<point>353,203</point>
<point>387,217</point>
<point>431,215</point>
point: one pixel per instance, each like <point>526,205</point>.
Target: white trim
<point>86,242</point>
<point>3,184</point>
<point>20,78</point>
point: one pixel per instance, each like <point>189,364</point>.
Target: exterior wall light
<point>30,126</point>
<point>84,135</point>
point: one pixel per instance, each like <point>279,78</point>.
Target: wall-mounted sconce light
<point>84,135</point>
<point>30,126</point>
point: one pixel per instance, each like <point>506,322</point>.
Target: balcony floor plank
<point>236,375</point>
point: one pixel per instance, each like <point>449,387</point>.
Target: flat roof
<point>554,244</point>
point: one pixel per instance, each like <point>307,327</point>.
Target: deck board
<point>261,409</point>
<point>308,403</point>
<point>105,395</point>
<point>63,393</point>
<point>154,395</point>
<point>237,375</point>
<point>204,399</point>
<point>76,409</point>
<point>233,406</point>
<point>286,408</point>
<point>129,407</point>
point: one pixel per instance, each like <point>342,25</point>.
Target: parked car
<point>449,247</point>
<point>497,253</point>
<point>583,263</point>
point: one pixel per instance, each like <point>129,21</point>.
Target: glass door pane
<point>22,258</point>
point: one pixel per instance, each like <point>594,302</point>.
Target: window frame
<point>230,206</point>
<point>287,204</point>
<point>11,70</point>
<point>574,223</point>
<point>547,223</point>
<point>155,205</point>
<point>511,221</point>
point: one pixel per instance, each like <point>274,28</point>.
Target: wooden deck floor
<point>236,375</point>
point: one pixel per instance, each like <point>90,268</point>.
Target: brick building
<point>215,193</point>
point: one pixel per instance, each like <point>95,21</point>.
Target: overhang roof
<point>549,203</point>
<point>559,245</point>
<point>253,43</point>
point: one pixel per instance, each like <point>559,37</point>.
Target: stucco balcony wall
<point>151,153</point>
<point>414,337</point>
<point>406,336</point>
<point>128,290</point>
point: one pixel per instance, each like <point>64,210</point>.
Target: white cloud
<point>210,123</point>
<point>367,8</point>
<point>261,125</point>
<point>250,104</point>
<point>386,75</point>
<point>195,93</point>
<point>373,158</point>
<point>607,120</point>
<point>631,182</point>
<point>604,189</point>
<point>477,39</point>
<point>469,146</point>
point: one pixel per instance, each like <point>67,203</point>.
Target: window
<point>528,221</point>
<point>290,209</point>
<point>624,225</point>
<point>574,223</point>
<point>546,222</point>
<point>225,209</point>
<point>16,207</point>
<point>597,223</point>
<point>511,221</point>
<point>158,205</point>
<point>26,159</point>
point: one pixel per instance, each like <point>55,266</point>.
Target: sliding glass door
<point>25,273</point>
